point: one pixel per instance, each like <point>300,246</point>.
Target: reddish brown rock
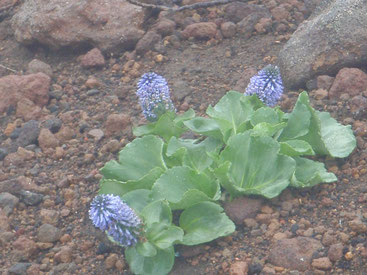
<point>47,140</point>
<point>27,110</point>
<point>295,253</point>
<point>34,87</point>
<point>335,252</point>
<point>242,208</point>
<point>25,154</point>
<point>358,225</point>
<point>349,80</point>
<point>147,42</point>
<point>108,25</point>
<point>12,159</point>
<point>280,13</point>
<point>322,263</point>
<point>64,255</point>
<point>116,123</point>
<point>228,29</point>
<point>65,133</point>
<point>26,247</point>
<point>111,261</point>
<point>164,27</point>
<point>49,216</point>
<point>34,269</point>
<point>93,58</point>
<point>238,268</point>
<point>320,93</point>
<point>264,25</point>
<point>202,30</point>
<point>47,233</point>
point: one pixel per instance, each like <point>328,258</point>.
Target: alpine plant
<point>154,96</point>
<point>109,213</point>
<point>267,84</point>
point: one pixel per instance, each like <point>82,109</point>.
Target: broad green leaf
<point>265,114</point>
<point>160,264</point>
<point>168,125</point>
<point>146,249</point>
<point>195,153</point>
<point>183,187</point>
<point>163,236</point>
<point>204,126</point>
<point>267,129</point>
<point>325,134</point>
<point>111,186</point>
<point>309,173</point>
<point>296,148</point>
<point>298,121</point>
<point>138,199</point>
<point>256,167</point>
<point>157,212</point>
<point>136,160</point>
<point>180,119</point>
<point>313,136</point>
<point>204,222</point>
<point>339,139</point>
<point>231,112</point>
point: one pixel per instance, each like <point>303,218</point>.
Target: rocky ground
<point>68,107</point>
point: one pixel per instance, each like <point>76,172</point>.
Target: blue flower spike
<point>154,96</point>
<point>109,213</point>
<point>267,84</point>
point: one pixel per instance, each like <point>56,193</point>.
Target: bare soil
<point>209,70</point>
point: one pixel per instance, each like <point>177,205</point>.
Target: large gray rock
<point>335,36</point>
<point>108,25</point>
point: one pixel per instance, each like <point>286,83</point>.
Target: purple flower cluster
<point>267,84</point>
<point>109,213</point>
<point>154,97</point>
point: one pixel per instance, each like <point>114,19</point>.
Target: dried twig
<point>7,68</point>
<point>186,7</point>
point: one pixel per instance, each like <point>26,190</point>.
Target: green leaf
<point>298,120</point>
<point>164,236</point>
<point>309,173</point>
<point>339,139</point>
<point>296,148</point>
<point>265,114</point>
<point>180,119</point>
<point>160,264</point>
<point>195,154</point>
<point>204,222</point>
<point>157,212</point>
<point>111,186</point>
<point>183,187</point>
<point>205,126</point>
<point>138,199</point>
<point>146,249</point>
<point>136,160</point>
<point>254,166</point>
<point>267,129</point>
<point>232,111</point>
<point>325,135</point>
<point>168,125</point>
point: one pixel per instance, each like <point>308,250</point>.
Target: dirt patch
<point>199,73</point>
